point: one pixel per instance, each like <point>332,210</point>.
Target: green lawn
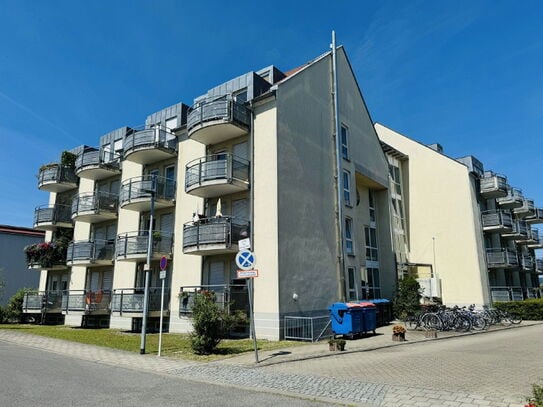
<point>173,345</point>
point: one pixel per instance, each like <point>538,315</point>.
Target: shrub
<point>407,301</point>
<point>530,310</point>
<point>13,312</point>
<point>537,396</point>
<point>210,323</point>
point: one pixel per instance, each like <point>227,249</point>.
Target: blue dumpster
<point>384,311</point>
<point>352,318</point>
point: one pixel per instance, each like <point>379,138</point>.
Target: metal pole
<point>252,319</point>
<point>161,317</point>
<point>148,267</point>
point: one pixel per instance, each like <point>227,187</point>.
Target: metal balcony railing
<point>56,173</point>
<point>501,258</point>
<point>136,243</point>
<point>90,251</point>
<point>47,301</point>
<point>213,231</point>
<point>52,214</point>
<point>539,265</point>
<point>130,300</point>
<point>142,188</point>
<point>229,297</point>
<point>93,157</point>
<point>216,167</point>
<point>497,219</point>
<point>493,185</point>
<point>95,202</point>
<point>224,109</point>
<point>155,137</point>
<point>513,199</point>
<point>505,294</point>
<point>527,262</point>
<point>536,217</point>
<point>97,301</point>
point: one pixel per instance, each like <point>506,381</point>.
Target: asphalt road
<point>30,377</point>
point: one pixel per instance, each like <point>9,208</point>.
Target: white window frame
<point>344,138</point>
<point>349,241</point>
<point>347,187</point>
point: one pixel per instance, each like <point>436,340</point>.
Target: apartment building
<point>255,157</point>
<point>461,229</point>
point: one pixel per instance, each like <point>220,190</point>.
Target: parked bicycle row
<point>460,319</point>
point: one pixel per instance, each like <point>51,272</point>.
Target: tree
<point>407,301</point>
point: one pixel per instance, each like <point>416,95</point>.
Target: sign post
<point>245,260</point>
<point>163,265</point>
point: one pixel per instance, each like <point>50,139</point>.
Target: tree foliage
<point>407,299</point>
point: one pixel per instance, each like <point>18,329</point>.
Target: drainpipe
<point>339,201</point>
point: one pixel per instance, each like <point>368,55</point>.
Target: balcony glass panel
<point>501,258</point>
<point>223,109</point>
<point>142,187</point>
<point>96,157</point>
<point>497,219</point>
<point>56,174</point>
<point>216,167</point>
<point>229,297</point>
<point>52,214</point>
<point>155,137</point>
<point>49,301</point>
<point>95,202</point>
<point>131,299</point>
<point>136,243</point>
<point>90,251</point>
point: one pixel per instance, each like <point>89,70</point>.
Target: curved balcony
<point>536,217</point>
<point>51,217</point>
<point>493,186</point>
<point>497,221</point>
<point>217,175</point>
<point>130,301</point>
<point>149,146</point>
<point>56,178</point>
<point>218,235</point>
<point>514,199</point>
<point>132,246</point>
<point>136,193</point>
<point>46,256</point>
<point>97,164</point>
<point>518,232</point>
<point>219,120</point>
<point>90,253</point>
<point>95,207</point>
<point>527,263</point>
<point>501,258</point>
<point>87,301</point>
<point>527,209</point>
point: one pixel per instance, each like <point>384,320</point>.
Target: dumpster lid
<point>380,301</point>
<point>364,304</point>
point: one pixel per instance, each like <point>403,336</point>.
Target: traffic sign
<point>247,273</point>
<point>163,263</point>
<point>245,260</point>
<point>162,274</point>
<point>244,244</point>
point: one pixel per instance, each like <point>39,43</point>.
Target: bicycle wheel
<point>478,322</point>
<point>515,318</point>
<point>462,323</point>
<point>430,321</point>
<point>412,323</point>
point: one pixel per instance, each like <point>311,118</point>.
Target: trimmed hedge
<point>530,310</point>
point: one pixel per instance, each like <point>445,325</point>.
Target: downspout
<point>339,202</point>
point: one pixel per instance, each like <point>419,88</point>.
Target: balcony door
<point>240,210</point>
<point>216,273</point>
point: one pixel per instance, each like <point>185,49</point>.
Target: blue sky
<point>466,74</point>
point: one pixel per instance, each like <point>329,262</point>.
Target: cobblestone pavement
<point>489,369</point>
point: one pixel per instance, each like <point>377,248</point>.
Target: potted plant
<point>332,344</point>
<point>398,333</point>
<point>336,344</point>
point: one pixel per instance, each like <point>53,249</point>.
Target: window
<point>374,284</point>
<point>371,244</point>
<point>347,187</point>
<point>349,248</point>
<point>344,143</point>
<point>371,207</point>
<point>351,288</point>
<point>171,123</point>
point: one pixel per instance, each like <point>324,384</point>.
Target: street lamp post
<point>152,191</point>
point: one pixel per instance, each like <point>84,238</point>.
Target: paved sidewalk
<point>242,371</point>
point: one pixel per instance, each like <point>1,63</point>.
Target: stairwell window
<point>347,187</point>
<point>349,247</point>
<point>371,244</point>
<point>344,142</point>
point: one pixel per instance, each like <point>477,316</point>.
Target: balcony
<point>210,236</point>
<point>527,209</point>
<point>497,221</point>
<point>90,302</point>
<point>46,256</point>
<point>136,193</point>
<point>493,186</point>
<point>229,297</point>
<point>219,120</point>
<point>518,232</point>
<point>539,266</point>
<point>132,246</point>
<point>97,164</point>
<point>130,301</point>
<point>514,199</point>
<point>527,262</point>
<point>51,217</point>
<point>95,207</point>
<point>217,175</point>
<point>536,217</point>
<point>534,241</point>
<point>90,253</point>
<point>505,294</point>
<point>149,145</point>
<point>501,258</point>
<point>44,301</point>
<point>56,178</point>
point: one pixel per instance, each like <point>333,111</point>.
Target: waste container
<point>352,318</point>
<point>384,311</point>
